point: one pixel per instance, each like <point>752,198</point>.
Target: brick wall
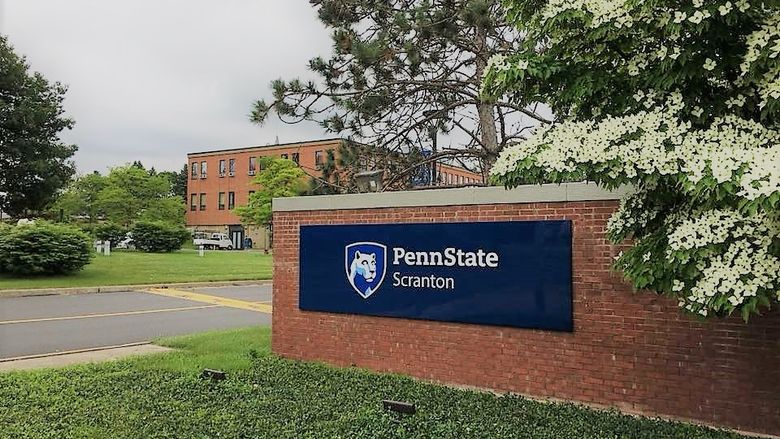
<point>636,352</point>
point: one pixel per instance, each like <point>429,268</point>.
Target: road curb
<point>123,288</point>
<point>80,356</point>
<point>73,351</point>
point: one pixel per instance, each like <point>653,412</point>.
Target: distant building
<point>220,180</point>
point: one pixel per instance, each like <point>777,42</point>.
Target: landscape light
<point>213,375</point>
<point>399,407</point>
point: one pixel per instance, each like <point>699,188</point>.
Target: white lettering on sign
<point>432,282</point>
<point>450,257</point>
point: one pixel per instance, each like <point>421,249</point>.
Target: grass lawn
<point>128,268</point>
<point>268,397</point>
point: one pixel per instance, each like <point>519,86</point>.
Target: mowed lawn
<point>132,268</point>
<point>264,396</point>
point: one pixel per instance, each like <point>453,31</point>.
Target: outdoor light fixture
<point>369,181</point>
<point>399,407</point>
<point>213,375</point>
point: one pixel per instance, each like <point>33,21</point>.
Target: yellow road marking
<point>215,300</point>
<point>110,314</point>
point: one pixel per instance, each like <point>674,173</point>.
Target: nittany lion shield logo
<point>366,266</point>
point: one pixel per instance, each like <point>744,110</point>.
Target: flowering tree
<point>679,99</point>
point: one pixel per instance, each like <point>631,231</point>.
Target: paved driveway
<point>48,324</point>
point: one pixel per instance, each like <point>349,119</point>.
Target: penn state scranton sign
<point>492,273</point>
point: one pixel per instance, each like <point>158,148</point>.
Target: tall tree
<point>277,178</point>
<point>81,196</point>
<point>131,193</point>
<point>178,182</point>
<point>34,162</point>
<point>405,71</point>
<point>679,99</point>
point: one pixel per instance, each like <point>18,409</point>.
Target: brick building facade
<point>634,351</point>
<point>220,180</point>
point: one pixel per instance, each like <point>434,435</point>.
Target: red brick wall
<point>633,351</point>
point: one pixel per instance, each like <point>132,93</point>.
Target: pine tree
<point>404,72</point>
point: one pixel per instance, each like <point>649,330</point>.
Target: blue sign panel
<point>490,273</point>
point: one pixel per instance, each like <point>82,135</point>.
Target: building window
<point>296,157</point>
<point>231,200</point>
<point>285,156</point>
<point>252,165</point>
<point>194,170</point>
<point>193,202</point>
<point>221,201</point>
<point>318,158</point>
<point>222,168</point>
<point>232,167</point>
<point>203,170</point>
<point>202,201</point>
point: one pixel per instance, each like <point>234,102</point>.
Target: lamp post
<point>433,132</point>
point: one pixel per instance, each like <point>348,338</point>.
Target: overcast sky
<point>151,80</point>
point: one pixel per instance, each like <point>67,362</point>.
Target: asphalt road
<point>48,324</point>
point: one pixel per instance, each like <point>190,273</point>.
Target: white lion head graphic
<point>363,264</point>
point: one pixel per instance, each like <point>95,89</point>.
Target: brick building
<point>220,180</point>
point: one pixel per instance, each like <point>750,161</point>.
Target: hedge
<point>43,249</point>
<point>158,237</point>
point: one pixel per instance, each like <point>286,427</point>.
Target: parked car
<point>215,241</point>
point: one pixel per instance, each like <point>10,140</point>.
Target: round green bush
<point>159,237</point>
<point>110,232</point>
<point>43,249</point>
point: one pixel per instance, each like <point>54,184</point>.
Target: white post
<point>200,250</point>
<point>98,247</point>
<point>107,248</point>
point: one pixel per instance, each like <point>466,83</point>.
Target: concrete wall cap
<point>449,197</point>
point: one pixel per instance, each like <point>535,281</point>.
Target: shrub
<point>43,249</point>
<point>159,237</point>
<point>110,232</point>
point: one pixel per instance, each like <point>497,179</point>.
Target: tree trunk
<point>485,110</point>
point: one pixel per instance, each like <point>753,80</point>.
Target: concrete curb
<point>123,288</point>
<point>80,356</point>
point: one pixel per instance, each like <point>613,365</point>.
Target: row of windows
<point>228,167</point>
<point>447,178</point>
<point>199,201</point>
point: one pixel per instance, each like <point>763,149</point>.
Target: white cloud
<point>152,80</point>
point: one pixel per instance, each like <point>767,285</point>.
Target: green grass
<point>131,268</point>
<point>268,397</point>
<point>225,350</point>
